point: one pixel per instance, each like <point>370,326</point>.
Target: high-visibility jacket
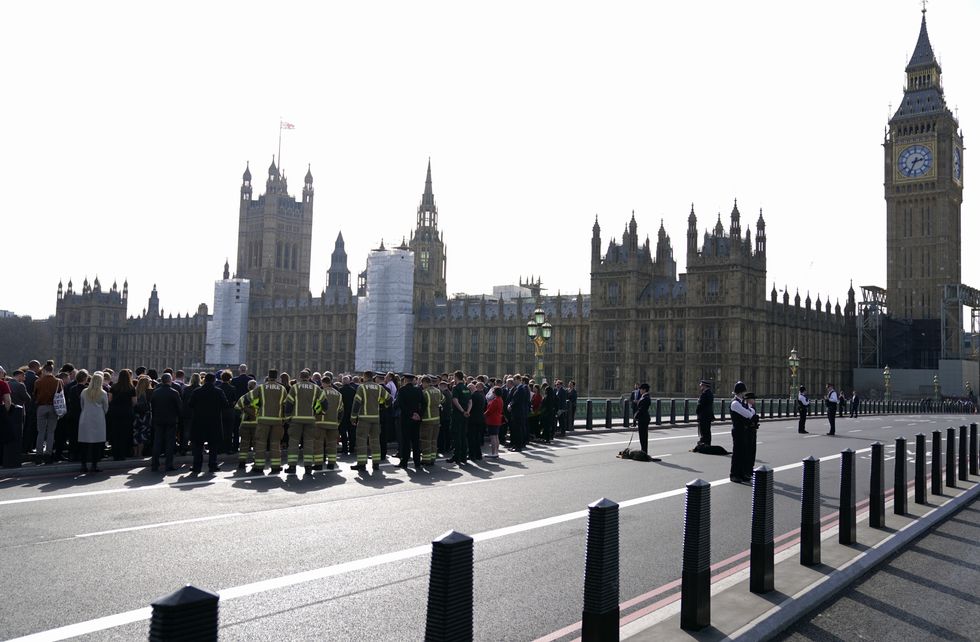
<point>431,399</point>
<point>330,408</point>
<point>304,396</point>
<point>244,406</point>
<point>267,400</point>
<point>368,400</point>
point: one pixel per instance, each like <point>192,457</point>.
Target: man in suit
<point>519,407</point>
<point>207,403</point>
<point>855,400</point>
<point>347,428</point>
<point>705,413</point>
<point>241,381</point>
<point>409,402</point>
<point>561,397</point>
<point>165,407</point>
<point>642,416</point>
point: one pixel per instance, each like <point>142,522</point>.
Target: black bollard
<point>673,411</point>
<point>964,473</point>
<point>876,518</point>
<point>449,615</point>
<point>189,613</point>
<point>722,413</point>
<point>696,563</point>
<point>847,532</point>
<point>658,417</point>
<point>687,410</point>
<point>974,455</point>
<point>627,414</point>
<point>920,469</point>
<point>810,513</point>
<point>600,611</point>
<point>951,457</point>
<point>609,414</point>
<point>779,408</point>
<point>588,415</point>
<point>937,462</point>
<point>761,556</point>
<point>901,506</point>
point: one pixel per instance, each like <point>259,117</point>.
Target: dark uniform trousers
<point>832,416</point>
<point>803,412</point>
<point>704,431</point>
<point>410,440</point>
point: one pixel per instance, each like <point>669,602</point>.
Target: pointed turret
<point>692,235</point>
<point>153,307</point>
<point>338,276</point>
<point>760,234</point>
<point>596,244</point>
<point>735,230</point>
<point>227,273</point>
<point>427,196</point>
<point>125,292</point>
<point>719,228</point>
<point>308,185</point>
<point>247,176</point>
<point>60,289</point>
<point>922,56</point>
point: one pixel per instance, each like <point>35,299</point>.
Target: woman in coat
<point>549,412</point>
<point>91,423</point>
<point>122,402</point>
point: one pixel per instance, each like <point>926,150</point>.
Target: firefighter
<point>246,431</point>
<point>268,400</point>
<point>329,414</point>
<point>369,398</point>
<point>303,397</point>
<point>431,402</point>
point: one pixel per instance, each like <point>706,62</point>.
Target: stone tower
<point>338,276</point>
<point>923,191</point>
<point>275,234</point>
<point>430,251</point>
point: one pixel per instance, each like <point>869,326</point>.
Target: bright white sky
<point>125,128</point>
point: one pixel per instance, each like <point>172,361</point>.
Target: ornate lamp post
<point>794,364</point>
<point>539,331</point>
<point>935,388</point>
<point>887,374</point>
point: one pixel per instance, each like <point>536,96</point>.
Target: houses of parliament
<point>641,319</point>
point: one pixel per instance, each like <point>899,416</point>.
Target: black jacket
<point>642,414</point>
<point>165,405</point>
<point>347,392</point>
<point>207,404</point>
<point>706,406</point>
<point>409,401</point>
<point>520,401</point>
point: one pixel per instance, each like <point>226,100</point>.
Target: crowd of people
<point>76,415</point>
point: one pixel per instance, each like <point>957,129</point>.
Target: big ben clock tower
<point>923,191</point>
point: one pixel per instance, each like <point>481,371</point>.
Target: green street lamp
<point>794,365</point>
<point>539,331</point>
<point>887,374</point>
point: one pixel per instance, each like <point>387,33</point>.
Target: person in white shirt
<point>832,400</point>
<point>803,403</point>
<point>743,435</point>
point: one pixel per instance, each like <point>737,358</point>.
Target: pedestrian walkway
<point>923,591</point>
<point>929,591</point>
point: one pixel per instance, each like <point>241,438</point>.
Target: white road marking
<point>858,430</point>
<point>137,615</point>
<point>482,481</point>
<point>160,525</point>
<point>110,491</point>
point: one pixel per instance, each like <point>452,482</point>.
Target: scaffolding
<point>956,296</point>
<point>871,312</point>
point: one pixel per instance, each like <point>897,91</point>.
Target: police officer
<point>743,411</point>
<point>705,413</point>
<point>369,398</point>
<point>803,404</point>
<point>246,431</point>
<point>832,400</point>
<point>329,413</point>
<point>409,402</point>
<point>431,416</point>
<point>303,397</point>
<point>268,399</point>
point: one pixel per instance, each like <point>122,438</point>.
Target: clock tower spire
<point>923,192</point>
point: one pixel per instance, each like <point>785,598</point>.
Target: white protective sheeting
<point>385,324</point>
<point>228,327</point>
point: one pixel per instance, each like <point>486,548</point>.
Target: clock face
<point>914,161</point>
<point>957,170</point>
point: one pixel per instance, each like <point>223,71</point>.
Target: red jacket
<point>494,414</point>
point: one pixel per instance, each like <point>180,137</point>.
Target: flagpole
<point>279,155</point>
